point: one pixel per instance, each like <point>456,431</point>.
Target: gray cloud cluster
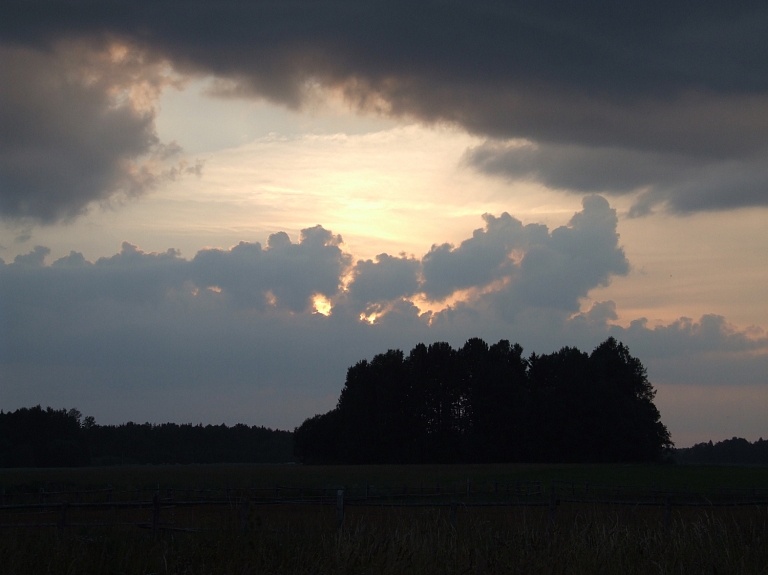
<point>514,266</point>
<point>540,269</point>
<point>284,274</point>
<point>485,257</point>
<point>231,333</point>
<point>666,79</point>
<point>683,183</point>
<point>388,278</point>
<point>77,126</point>
<point>290,273</point>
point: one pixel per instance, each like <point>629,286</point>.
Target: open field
<point>266,537</point>
<point>694,478</point>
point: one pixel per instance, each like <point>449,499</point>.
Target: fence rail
<point>511,494</point>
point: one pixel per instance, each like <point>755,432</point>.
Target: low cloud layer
<point>685,84</point>
<point>681,183</point>
<point>236,334</point>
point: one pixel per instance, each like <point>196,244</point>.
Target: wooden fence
<point>56,508</point>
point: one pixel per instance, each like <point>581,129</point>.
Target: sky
<point>210,210</point>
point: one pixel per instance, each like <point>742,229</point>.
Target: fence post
<point>339,508</point>
<point>552,510</point>
<point>155,515</point>
<point>668,512</point>
<point>453,513</point>
<point>244,516</point>
<point>63,518</point>
<point>469,487</point>
<point>367,488</point>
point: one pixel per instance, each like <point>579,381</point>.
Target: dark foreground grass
<point>677,477</point>
<point>586,540</point>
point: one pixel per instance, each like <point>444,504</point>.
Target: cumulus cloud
<point>230,334</point>
<point>485,257</point>
<point>536,267</point>
<point>34,258</point>
<point>283,274</point>
<point>510,266</point>
<point>388,278</point>
<point>684,82</point>
<point>77,127</point>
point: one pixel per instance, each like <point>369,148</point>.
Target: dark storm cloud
<point>65,139</point>
<point>682,183</point>
<point>659,78</point>
<point>581,169</point>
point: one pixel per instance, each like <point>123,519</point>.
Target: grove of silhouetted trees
<point>476,404</point>
<point>36,437</point>
<point>486,403</point>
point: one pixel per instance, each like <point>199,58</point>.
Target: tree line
<point>484,403</point>
<point>475,404</point>
<point>735,451</point>
<point>37,437</point>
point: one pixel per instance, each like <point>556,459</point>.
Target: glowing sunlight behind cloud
<point>238,216</point>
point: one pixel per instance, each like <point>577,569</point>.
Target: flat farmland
<point>246,519</point>
<point>695,478</point>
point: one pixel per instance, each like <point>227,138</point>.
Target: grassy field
<point>694,478</point>
<point>273,539</point>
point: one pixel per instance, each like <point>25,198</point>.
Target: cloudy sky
<point>210,209</point>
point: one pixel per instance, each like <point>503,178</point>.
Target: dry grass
<point>303,540</point>
<point>286,540</point>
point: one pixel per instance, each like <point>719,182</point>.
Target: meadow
<point>586,537</point>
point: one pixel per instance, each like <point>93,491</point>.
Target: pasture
<point>444,531</point>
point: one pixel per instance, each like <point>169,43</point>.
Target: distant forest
<point>736,451</point>
<point>486,403</point>
<point>37,437</point>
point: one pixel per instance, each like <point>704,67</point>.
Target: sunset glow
<point>210,206</point>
